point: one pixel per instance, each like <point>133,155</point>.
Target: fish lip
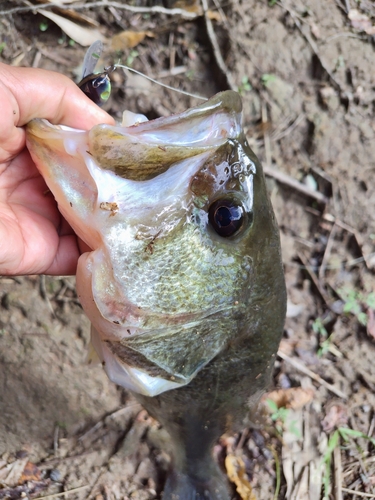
<point>37,126</point>
<point>228,102</point>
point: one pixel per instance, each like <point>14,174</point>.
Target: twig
<point>56,440</point>
<point>174,71</point>
<point>302,368</point>
<point>266,135</point>
<point>294,184</point>
<point>222,14</point>
<point>337,472</point>
<point>357,237</point>
<point>358,493</point>
<point>344,35</point>
<point>62,493</point>
<point>92,430</point>
<point>315,280</point>
<point>339,265</point>
<point>43,293</point>
<point>57,461</point>
<point>288,130</point>
<point>278,472</point>
<point>241,441</point>
<point>327,252</point>
<point>104,3</point>
<point>216,49</point>
<point>54,57</point>
<point>96,482</point>
<point>37,59</point>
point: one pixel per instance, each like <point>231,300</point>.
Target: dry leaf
<point>72,14</point>
<point>129,39</point>
<point>14,472</point>
<point>30,473</point>
<point>214,16</point>
<point>336,416</point>
<point>294,398</point>
<point>315,30</point>
<point>236,473</point>
<point>361,22</point>
<point>81,35</point>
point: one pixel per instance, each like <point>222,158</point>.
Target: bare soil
<point>306,74</point>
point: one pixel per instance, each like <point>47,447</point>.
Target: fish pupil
<point>226,217</point>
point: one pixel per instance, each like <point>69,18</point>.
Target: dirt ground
<point>305,70</point>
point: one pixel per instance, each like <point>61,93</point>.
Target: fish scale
<point>163,282</point>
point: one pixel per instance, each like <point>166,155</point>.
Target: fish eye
<point>226,217</point>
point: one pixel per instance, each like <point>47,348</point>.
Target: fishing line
<point>160,83</point>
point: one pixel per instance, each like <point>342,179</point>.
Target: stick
<point>315,280</point>
<point>359,493</point>
<point>337,472</point>
<point>216,49</point>
<point>327,252</point>
<point>62,493</point>
<point>118,5</point>
<point>294,184</point>
<point>302,368</point>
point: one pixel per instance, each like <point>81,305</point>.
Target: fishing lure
<point>97,86</point>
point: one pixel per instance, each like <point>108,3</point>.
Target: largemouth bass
<point>184,287</point>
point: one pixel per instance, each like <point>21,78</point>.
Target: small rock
<point>55,475</point>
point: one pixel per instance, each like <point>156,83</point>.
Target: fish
<point>184,286</point>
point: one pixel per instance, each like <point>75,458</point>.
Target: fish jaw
<point>139,196</point>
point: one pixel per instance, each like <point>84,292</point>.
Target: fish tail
<point>182,486</point>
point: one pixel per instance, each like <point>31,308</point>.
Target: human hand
<point>34,237</point>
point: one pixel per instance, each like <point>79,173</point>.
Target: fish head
<point>185,248</point>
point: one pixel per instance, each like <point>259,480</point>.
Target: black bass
<point>184,287</point>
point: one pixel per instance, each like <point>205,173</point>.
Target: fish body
<point>184,286</point>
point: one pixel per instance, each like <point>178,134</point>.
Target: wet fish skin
<point>227,390</point>
<point>215,335</point>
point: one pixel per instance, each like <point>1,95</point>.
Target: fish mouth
<point>147,149</point>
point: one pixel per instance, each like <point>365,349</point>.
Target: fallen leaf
<point>294,398</point>
<point>236,473</point>
<point>315,30</point>
<point>336,416</point>
<point>214,16</point>
<point>15,470</point>
<point>293,310</point>
<point>361,22</point>
<point>73,14</point>
<point>81,35</point>
<point>30,473</point>
<point>129,39</point>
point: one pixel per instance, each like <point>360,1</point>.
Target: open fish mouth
<point>168,208</point>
